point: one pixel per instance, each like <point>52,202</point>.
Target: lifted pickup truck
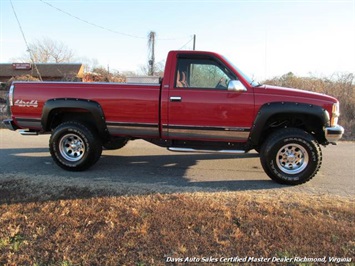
<point>203,103</point>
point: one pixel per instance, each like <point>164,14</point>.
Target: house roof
<point>46,70</point>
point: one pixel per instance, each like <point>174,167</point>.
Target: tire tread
<point>278,136</point>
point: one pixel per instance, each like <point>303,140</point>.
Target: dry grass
<point>82,227</point>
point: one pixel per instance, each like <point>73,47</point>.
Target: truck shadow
<point>28,175</point>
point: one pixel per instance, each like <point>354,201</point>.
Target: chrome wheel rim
<point>72,147</point>
<point>292,158</point>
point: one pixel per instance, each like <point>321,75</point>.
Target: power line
<point>186,43</point>
<point>27,46</point>
<point>91,23</point>
<point>102,27</point>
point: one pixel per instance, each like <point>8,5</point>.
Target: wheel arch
<point>272,116</point>
<point>56,111</point>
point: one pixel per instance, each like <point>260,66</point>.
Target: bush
<point>20,78</point>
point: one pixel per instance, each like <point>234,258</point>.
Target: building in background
<point>48,72</point>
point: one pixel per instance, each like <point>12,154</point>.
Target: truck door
<point>200,106</point>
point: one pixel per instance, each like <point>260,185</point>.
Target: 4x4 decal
<point>30,103</point>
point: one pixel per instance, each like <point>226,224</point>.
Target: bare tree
<point>158,69</point>
<point>48,51</point>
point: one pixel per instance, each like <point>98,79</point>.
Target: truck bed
<point>128,108</point>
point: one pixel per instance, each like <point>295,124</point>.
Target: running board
<point>205,151</point>
<point>25,132</point>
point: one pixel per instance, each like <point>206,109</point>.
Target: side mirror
<point>236,85</point>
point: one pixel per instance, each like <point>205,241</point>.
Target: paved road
<point>141,168</point>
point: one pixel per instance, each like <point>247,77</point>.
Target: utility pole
<point>194,43</point>
<point>151,52</point>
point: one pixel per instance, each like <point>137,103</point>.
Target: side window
<point>202,73</point>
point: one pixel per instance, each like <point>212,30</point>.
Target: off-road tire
<point>291,156</point>
<point>75,146</point>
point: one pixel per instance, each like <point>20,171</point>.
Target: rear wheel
<point>291,156</point>
<point>74,146</point>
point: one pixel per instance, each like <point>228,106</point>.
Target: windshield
<point>252,82</point>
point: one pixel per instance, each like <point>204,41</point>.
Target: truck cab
<point>204,99</point>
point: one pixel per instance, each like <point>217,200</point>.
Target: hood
<point>291,92</point>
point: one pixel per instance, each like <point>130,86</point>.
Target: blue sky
<point>263,38</point>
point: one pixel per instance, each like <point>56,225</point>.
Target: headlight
<point>335,114</point>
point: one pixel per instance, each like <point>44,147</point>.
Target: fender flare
<point>94,108</point>
<point>269,109</point>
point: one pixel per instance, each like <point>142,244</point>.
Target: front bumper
<point>9,124</point>
<point>333,134</point>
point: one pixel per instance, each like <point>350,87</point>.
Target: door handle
<point>175,99</point>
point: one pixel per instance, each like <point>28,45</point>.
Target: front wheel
<point>291,156</point>
<point>74,146</point>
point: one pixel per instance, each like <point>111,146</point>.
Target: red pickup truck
<point>203,103</point>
